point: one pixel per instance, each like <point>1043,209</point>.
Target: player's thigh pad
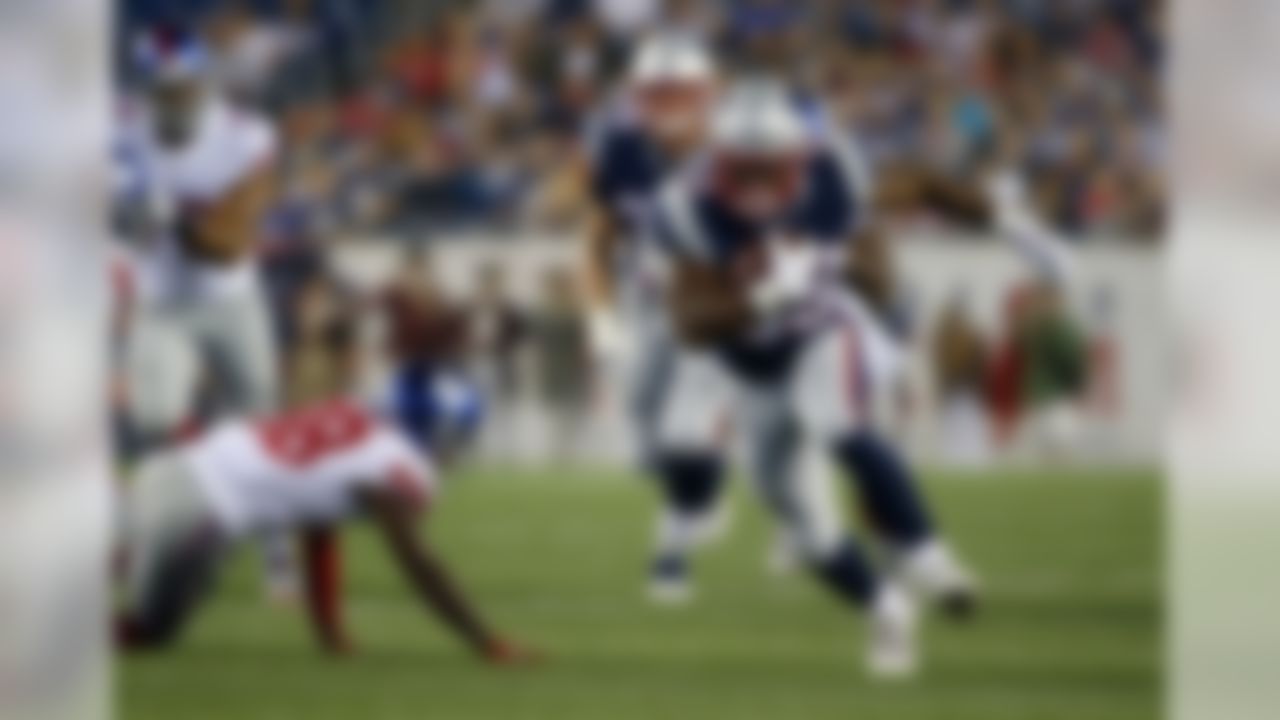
<point>792,476</point>
<point>647,378</point>
<point>695,411</point>
<point>237,331</point>
<point>832,389</point>
<point>163,368</point>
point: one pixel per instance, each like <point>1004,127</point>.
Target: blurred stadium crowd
<point>406,121</point>
<point>403,117</point>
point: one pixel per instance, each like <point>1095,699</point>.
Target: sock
<point>690,483</point>
<point>669,565</point>
<point>848,574</point>
<point>887,487</point>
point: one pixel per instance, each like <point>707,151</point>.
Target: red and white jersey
<point>229,145</point>
<point>306,466</point>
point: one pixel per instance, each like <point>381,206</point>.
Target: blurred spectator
<point>249,50</point>
<point>460,113</point>
<point>498,331</point>
<point>425,330</point>
<point>563,363</point>
<point>1005,392</point>
<point>959,369</point>
<point>427,389</point>
<point>873,272</point>
<point>1054,374</point>
<point>321,357</point>
<point>1104,371</point>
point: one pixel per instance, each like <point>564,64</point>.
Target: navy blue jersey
<point>627,168</point>
<point>627,165</point>
<point>688,222</point>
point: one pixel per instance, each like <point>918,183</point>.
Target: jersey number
<point>302,438</point>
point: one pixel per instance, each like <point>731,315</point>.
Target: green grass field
<point>1071,629</point>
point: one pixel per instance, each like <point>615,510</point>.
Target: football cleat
<point>669,583</point>
<point>891,635</point>
<point>934,575</point>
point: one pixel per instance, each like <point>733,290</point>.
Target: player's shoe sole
<point>892,654</point>
<point>668,592</point>
<point>939,580</point>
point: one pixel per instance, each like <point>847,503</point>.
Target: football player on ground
<point>758,235</point>
<point>201,169</point>
<point>308,471</point>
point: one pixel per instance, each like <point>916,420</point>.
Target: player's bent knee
<point>816,544</point>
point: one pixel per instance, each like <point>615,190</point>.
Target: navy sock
<point>690,481</point>
<point>848,574</point>
<point>669,566</point>
<point>887,487</point>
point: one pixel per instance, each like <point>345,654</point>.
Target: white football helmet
<point>759,148</point>
<point>671,58</point>
<point>758,117</point>
<point>672,79</point>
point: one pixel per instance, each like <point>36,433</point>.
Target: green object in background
<point>1055,360</point>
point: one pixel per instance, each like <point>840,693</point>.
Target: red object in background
<point>1004,390</point>
<point>1108,46</point>
<point>1005,370</point>
<point>423,69</point>
<point>423,331</point>
<point>362,114</point>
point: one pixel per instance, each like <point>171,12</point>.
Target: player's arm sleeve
<point>601,236</point>
<point>843,218</point>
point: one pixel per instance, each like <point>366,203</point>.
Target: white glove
<point>609,339</point>
<point>792,272</point>
<point>1014,218</point>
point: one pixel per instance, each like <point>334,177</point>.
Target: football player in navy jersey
<point>756,237</point>
<point>656,124</point>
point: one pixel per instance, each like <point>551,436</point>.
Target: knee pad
<point>163,372</point>
<point>816,542</point>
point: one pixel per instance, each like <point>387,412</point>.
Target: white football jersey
<point>306,466</point>
<point>228,146</point>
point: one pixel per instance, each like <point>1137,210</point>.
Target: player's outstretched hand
<point>508,654</point>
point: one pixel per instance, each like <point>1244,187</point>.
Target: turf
<point>1071,629</point>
